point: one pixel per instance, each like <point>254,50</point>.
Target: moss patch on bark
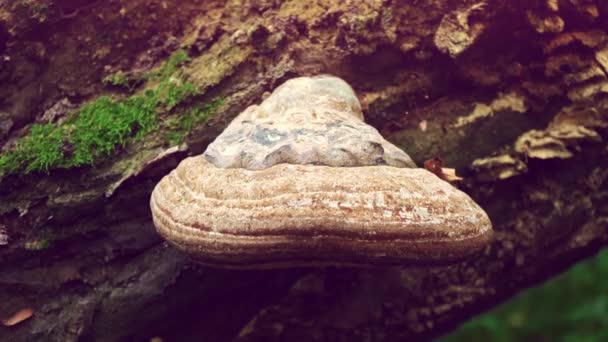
<point>99,127</point>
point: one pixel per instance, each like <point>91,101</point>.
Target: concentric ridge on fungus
<point>297,215</point>
<point>361,207</point>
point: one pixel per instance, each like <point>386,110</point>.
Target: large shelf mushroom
<point>301,180</point>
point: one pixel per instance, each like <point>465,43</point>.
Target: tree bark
<point>512,94</point>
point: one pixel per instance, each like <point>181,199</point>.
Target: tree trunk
<point>512,94</point>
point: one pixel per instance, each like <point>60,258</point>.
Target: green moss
<point>175,93</point>
<point>180,126</point>
<point>172,90</point>
<point>104,124</point>
<point>99,127</point>
<point>209,109</point>
<point>170,66</point>
<point>176,138</point>
<point>121,80</point>
<point>118,79</point>
<point>40,150</point>
<point>8,164</point>
<point>163,73</point>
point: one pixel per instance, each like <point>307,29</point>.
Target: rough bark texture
<point>510,93</point>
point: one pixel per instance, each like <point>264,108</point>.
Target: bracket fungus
<point>301,180</point>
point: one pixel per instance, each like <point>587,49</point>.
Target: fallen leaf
<point>450,175</point>
<point>423,125</point>
<point>18,317</point>
<point>435,165</point>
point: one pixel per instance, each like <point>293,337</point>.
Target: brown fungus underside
<point>301,180</point>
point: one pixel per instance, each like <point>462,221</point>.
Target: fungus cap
<point>307,215</point>
<point>302,180</point>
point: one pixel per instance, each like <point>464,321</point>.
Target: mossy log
<point>512,94</point>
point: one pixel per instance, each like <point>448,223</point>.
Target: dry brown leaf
<point>434,165</point>
<point>18,317</point>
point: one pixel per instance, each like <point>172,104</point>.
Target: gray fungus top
<point>306,120</point>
